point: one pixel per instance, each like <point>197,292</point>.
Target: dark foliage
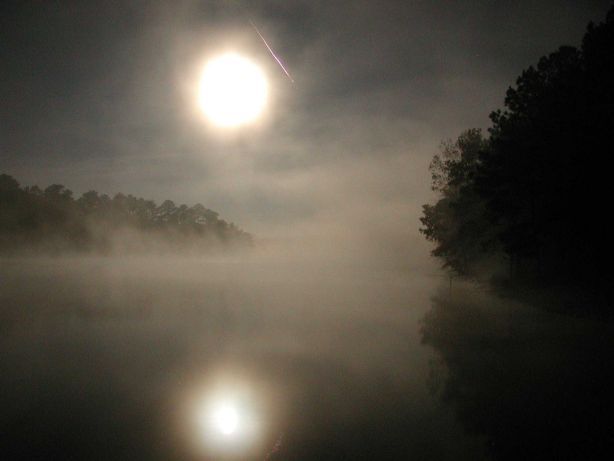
<point>457,221</point>
<point>537,192</point>
<point>51,219</point>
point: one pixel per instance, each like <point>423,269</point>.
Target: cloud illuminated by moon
<point>233,90</point>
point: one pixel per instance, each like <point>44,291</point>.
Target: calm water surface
<point>113,359</point>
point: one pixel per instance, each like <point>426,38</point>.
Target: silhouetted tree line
<point>535,192</point>
<point>52,219</point>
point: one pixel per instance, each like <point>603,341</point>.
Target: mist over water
<point>107,357</point>
<point>101,358</point>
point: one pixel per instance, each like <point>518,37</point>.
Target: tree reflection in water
<point>538,385</point>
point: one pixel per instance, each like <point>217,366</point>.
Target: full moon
<point>233,90</point>
<point>226,419</point>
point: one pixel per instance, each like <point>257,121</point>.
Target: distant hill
<point>53,220</point>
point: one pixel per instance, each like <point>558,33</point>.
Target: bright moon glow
<point>226,419</point>
<point>220,418</point>
<point>233,90</point>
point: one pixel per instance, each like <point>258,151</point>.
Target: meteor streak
<point>271,51</point>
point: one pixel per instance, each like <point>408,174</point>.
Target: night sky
<point>100,95</point>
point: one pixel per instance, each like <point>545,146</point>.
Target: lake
<point>195,359</point>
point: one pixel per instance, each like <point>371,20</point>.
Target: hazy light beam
<point>271,51</point>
